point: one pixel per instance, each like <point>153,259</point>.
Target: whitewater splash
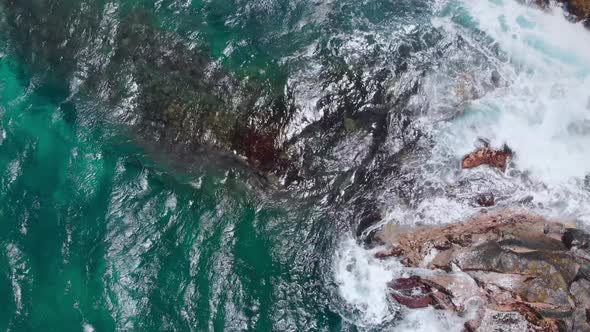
<point>362,280</point>
<point>525,85</point>
<point>542,112</point>
<point>537,102</point>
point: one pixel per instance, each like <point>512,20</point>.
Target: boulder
<point>487,156</point>
<point>485,200</point>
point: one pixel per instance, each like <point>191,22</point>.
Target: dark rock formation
<point>579,9</point>
<point>526,272</point>
<point>485,200</point>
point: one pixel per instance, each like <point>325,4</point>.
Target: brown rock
<point>527,272</point>
<point>558,268</point>
<point>442,260</point>
<point>417,244</point>
<point>580,8</point>
<point>458,287</point>
<point>412,292</point>
<point>393,252</point>
<point>487,156</point>
<point>498,321</point>
<point>536,322</point>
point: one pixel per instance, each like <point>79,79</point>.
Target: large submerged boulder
<point>512,271</point>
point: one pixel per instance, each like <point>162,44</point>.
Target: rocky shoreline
<point>502,271</point>
<point>511,271</point>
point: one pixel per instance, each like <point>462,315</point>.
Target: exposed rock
<point>580,321</point>
<point>529,273</point>
<point>502,321</point>
<point>576,238</point>
<point>579,8</point>
<point>581,293</point>
<point>487,156</point>
<point>393,252</point>
<point>412,292</point>
<point>514,318</point>
<point>530,230</point>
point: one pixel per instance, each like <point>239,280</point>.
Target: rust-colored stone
<point>487,156</point>
<point>412,292</point>
<point>393,252</point>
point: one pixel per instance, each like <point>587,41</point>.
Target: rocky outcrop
<point>487,156</point>
<point>485,200</point>
<point>513,271</point>
<point>580,8</point>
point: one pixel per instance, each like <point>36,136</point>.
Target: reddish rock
<point>487,156</point>
<point>412,292</point>
<point>393,252</point>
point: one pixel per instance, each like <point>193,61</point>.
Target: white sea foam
<point>362,283</point>
<point>544,112</point>
<point>540,107</point>
<point>430,320</point>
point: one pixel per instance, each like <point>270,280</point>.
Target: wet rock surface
<point>485,155</point>
<point>578,9</point>
<point>485,200</point>
<point>341,121</point>
<point>512,271</point>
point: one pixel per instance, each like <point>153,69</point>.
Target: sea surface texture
<point>209,165</point>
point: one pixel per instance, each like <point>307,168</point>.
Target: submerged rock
<point>485,200</point>
<point>525,272</point>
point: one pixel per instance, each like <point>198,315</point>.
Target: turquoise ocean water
<point>108,224</point>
